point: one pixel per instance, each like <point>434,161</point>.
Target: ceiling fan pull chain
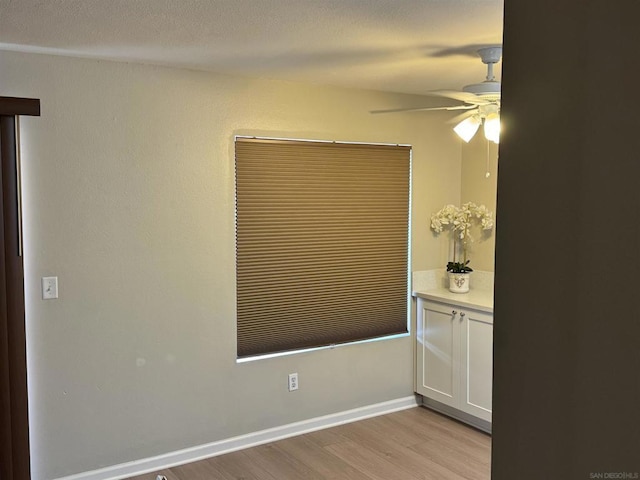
<point>488,173</point>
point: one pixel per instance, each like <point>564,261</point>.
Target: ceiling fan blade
<point>424,109</point>
<point>460,96</point>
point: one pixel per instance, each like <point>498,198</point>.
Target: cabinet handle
<point>462,314</point>
<point>453,312</point>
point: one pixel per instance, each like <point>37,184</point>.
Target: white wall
<point>129,200</point>
<point>480,157</point>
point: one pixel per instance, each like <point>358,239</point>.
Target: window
<point>322,243</point>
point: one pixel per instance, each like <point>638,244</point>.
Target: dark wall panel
<point>567,333</point>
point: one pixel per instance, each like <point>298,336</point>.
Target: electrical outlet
<point>293,382</point>
<point>49,288</point>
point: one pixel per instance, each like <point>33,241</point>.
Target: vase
<point>459,282</point>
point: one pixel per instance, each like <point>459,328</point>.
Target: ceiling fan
<point>481,102</point>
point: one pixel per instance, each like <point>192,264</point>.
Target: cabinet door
<point>437,355</point>
<point>476,369</point>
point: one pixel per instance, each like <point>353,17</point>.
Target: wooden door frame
<point>14,408</point>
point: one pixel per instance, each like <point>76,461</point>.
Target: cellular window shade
<point>321,243</point>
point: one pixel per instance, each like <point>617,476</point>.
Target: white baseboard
<point>193,454</point>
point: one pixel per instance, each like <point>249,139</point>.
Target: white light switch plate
<point>49,287</point>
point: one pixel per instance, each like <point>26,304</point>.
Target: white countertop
<point>479,299</point>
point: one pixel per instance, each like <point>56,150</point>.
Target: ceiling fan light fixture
<point>492,127</point>
<point>468,127</point>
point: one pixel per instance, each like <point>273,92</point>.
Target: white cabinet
<point>455,357</point>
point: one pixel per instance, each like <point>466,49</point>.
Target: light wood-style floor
<point>414,444</point>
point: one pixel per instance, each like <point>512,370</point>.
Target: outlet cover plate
<point>49,288</point>
<point>293,382</point>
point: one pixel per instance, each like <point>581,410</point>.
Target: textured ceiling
<point>406,46</point>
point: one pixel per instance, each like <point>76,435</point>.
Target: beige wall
<point>129,200</point>
<point>479,157</point>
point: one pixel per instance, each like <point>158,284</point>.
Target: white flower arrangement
<point>460,220</point>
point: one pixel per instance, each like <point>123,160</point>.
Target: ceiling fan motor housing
<point>489,90</point>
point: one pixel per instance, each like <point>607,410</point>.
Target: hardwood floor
<point>414,444</point>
